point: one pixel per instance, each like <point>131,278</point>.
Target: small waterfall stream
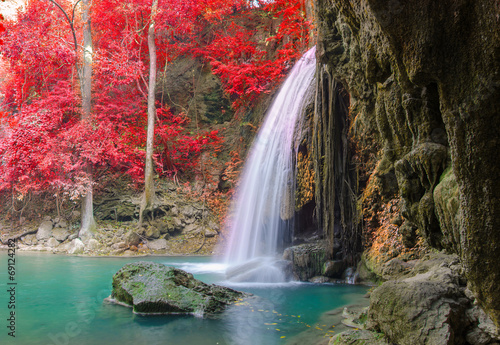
<point>263,210</point>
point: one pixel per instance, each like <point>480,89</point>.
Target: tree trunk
<point>88,222</point>
<point>149,190</point>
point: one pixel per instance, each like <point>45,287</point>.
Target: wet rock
<point>44,230</point>
<point>307,259</point>
<point>334,269</point>
<point>152,288</point>
<point>76,247</point>
<point>319,280</point>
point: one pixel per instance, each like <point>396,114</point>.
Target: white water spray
<point>263,211</point>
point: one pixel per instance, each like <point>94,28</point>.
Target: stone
<point>76,247</point>
<point>119,245</point>
<point>152,232</point>
<point>192,229</point>
<point>92,244</point>
<point>177,223</point>
<point>358,337</point>
<point>158,244</point>
<point>307,259</point>
<point>52,242</point>
<point>30,240</point>
<point>44,230</point>
<point>132,238</point>
<point>153,288</point>
<point>61,234</point>
<point>448,211</point>
<point>428,308</point>
<point>189,211</point>
<point>319,280</point>
<point>393,58</point>
<point>62,224</point>
<point>334,269</point>
<point>211,232</point>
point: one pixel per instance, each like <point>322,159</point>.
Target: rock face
<point>152,288</point>
<point>428,308</point>
<point>424,93</point>
<point>307,259</point>
<point>429,305</point>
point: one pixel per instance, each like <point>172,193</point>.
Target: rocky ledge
<point>152,288</point>
<point>426,302</point>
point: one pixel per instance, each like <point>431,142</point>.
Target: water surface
<point>59,300</point>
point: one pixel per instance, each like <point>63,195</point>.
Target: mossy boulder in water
<point>152,288</point>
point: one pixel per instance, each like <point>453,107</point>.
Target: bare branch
<point>70,21</point>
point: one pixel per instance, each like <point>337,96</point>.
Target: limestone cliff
<point>423,88</point>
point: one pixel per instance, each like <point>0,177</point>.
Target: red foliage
<point>43,142</point>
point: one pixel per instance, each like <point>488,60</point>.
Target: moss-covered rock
<point>152,288</point>
<point>448,211</point>
<point>419,75</point>
<point>426,308</point>
<point>307,259</point>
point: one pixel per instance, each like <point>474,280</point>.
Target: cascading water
<point>263,211</point>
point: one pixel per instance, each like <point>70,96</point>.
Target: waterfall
<point>264,205</point>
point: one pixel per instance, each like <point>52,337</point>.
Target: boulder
<point>76,247</point>
<point>132,238</point>
<point>428,308</point>
<point>60,234</point>
<point>52,242</point>
<point>334,269</point>
<point>153,288</point>
<point>157,244</point>
<point>307,259</point>
<point>44,230</point>
<point>152,232</point>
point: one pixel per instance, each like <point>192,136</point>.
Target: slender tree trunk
<point>88,222</point>
<point>149,190</point>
